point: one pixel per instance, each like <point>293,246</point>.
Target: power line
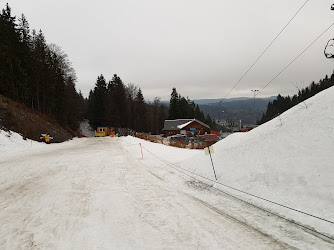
<point>292,61</point>
<point>264,51</point>
<point>295,58</point>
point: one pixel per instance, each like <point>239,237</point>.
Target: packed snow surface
<point>128,193</point>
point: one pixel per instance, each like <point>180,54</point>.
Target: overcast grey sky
<point>200,47</point>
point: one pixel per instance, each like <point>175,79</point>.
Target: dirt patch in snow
<point>29,123</point>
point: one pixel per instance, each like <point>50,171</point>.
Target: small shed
<point>188,127</point>
<point>101,131</point>
<point>105,131</point>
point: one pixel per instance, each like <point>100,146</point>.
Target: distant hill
<point>235,109</point>
<point>214,101</point>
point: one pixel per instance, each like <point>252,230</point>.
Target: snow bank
<point>14,142</point>
<point>288,160</point>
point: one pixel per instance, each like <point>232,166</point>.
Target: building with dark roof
<point>189,127</point>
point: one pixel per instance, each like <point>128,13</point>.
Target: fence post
<point>212,163</point>
<point>141,150</point>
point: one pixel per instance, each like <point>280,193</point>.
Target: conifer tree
<point>119,101</point>
<point>96,107</point>
<point>140,112</point>
<point>281,104</point>
<point>174,105</point>
<point>33,72</point>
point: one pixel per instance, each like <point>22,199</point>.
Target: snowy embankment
<point>11,142</point>
<point>288,160</point>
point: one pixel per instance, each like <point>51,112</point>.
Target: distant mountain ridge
<point>246,110</point>
<point>234,109</point>
<point>213,101</point>
<point>216,101</point>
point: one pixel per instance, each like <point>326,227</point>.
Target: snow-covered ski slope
<point>98,193</point>
<point>288,160</point>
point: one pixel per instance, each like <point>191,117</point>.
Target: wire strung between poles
<point>264,51</point>
<point>295,59</point>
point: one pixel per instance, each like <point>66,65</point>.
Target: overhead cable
<point>264,51</point>
<point>295,58</point>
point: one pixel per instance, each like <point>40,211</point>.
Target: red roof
<point>215,133</point>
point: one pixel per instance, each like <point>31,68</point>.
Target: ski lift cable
<point>264,51</point>
<point>295,59</point>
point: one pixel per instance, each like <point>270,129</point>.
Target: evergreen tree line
<point>114,104</point>
<point>281,104</point>
<point>184,108</point>
<point>35,73</point>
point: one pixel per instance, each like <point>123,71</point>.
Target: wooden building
<point>189,127</point>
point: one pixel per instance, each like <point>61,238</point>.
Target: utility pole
<point>254,92</point>
<point>219,110</point>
